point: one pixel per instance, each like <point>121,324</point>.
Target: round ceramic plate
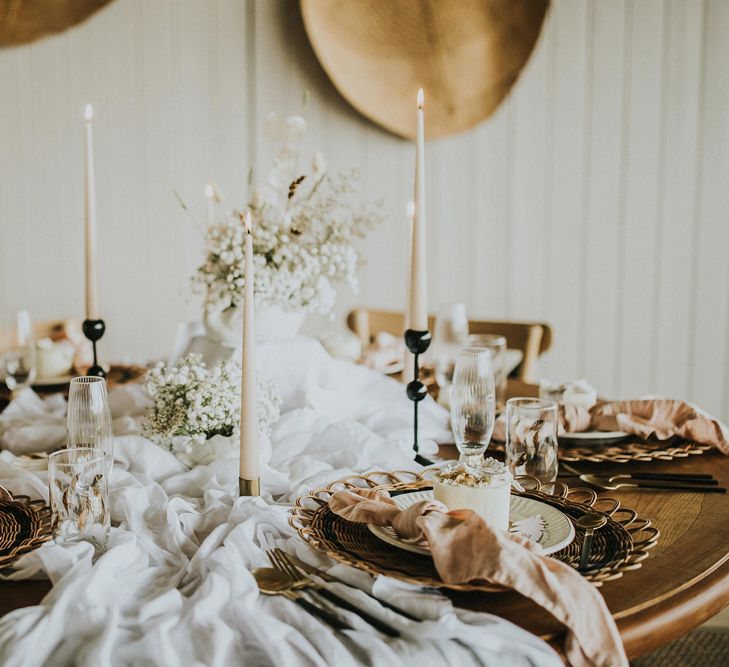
<point>558,529</point>
<point>594,437</point>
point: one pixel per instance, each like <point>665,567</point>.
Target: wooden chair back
<point>532,338</point>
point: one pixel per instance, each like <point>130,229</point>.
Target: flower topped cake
<point>485,490</point>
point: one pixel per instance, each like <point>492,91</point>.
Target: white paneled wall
<point>596,198</point>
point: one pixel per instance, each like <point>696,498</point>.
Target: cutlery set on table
<point>683,482</point>
<point>289,575</point>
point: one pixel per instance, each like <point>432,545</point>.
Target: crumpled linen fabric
<point>174,586</point>
<point>659,418</point>
<point>465,548</point>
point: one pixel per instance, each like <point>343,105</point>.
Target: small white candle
<point>418,303</point>
<point>249,464</point>
<point>210,197</point>
<point>92,288</point>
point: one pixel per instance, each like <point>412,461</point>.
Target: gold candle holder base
<point>249,487</point>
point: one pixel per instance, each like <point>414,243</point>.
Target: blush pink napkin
<point>661,419</point>
<point>465,548</point>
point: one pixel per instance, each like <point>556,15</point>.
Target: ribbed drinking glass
<point>88,423</point>
<point>497,346</point>
<point>472,404</point>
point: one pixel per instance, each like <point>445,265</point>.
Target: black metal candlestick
<point>94,330</point>
<point>417,342</point>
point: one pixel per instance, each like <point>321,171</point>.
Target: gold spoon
<point>589,523</point>
<point>273,582</point>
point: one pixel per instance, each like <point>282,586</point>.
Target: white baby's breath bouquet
<point>306,232</point>
<point>195,411</point>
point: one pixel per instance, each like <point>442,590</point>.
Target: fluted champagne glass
<point>473,399</point>
<point>451,330</point>
<point>88,423</point>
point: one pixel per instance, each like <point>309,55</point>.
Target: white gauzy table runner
<point>174,586</point>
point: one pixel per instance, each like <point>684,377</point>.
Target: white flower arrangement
<point>195,411</point>
<point>305,234</point>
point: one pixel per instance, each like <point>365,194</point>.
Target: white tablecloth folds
<point>174,586</point>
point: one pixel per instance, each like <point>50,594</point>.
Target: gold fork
<point>300,580</point>
<point>330,578</point>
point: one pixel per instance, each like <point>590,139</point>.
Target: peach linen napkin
<point>465,548</point>
<point>661,419</point>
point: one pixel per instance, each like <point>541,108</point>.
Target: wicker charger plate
<point>25,524</point>
<point>624,451</point>
<point>631,450</point>
<point>619,547</point>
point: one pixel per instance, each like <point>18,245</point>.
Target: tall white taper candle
<point>418,304</point>
<point>410,212</point>
<point>91,275</point>
<point>249,463</point>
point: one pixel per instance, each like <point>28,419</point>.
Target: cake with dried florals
<point>486,490</point>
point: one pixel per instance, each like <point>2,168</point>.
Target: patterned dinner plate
<point>593,437</point>
<point>558,529</point>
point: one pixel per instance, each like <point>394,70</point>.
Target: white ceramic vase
<point>273,323</point>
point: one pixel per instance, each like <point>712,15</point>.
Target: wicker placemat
<point>617,548</point>
<point>631,450</point>
<point>24,525</point>
<point>623,451</point>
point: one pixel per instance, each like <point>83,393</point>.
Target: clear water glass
<point>497,346</point>
<point>18,367</point>
<point>17,353</point>
<point>472,404</point>
<point>449,336</point>
<point>88,422</point>
<point>79,495</point>
<point>531,438</point>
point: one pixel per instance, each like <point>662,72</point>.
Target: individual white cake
<point>53,359</point>
<point>485,490</point>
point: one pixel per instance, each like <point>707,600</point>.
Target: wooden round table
<point>683,582</point>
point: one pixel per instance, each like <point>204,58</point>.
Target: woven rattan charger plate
<point>619,547</point>
<point>25,524</point>
<point>624,451</point>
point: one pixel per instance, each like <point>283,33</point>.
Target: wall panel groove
<point>594,198</point>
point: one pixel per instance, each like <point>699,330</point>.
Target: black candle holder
<point>94,330</point>
<point>417,342</point>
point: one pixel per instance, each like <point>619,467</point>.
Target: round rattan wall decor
<point>465,54</point>
<point>23,21</point>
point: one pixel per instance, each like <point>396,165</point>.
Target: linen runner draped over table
<point>174,587</point>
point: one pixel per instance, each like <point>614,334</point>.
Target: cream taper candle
<point>418,304</point>
<point>249,463</point>
<point>410,212</point>
<point>91,276</point>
